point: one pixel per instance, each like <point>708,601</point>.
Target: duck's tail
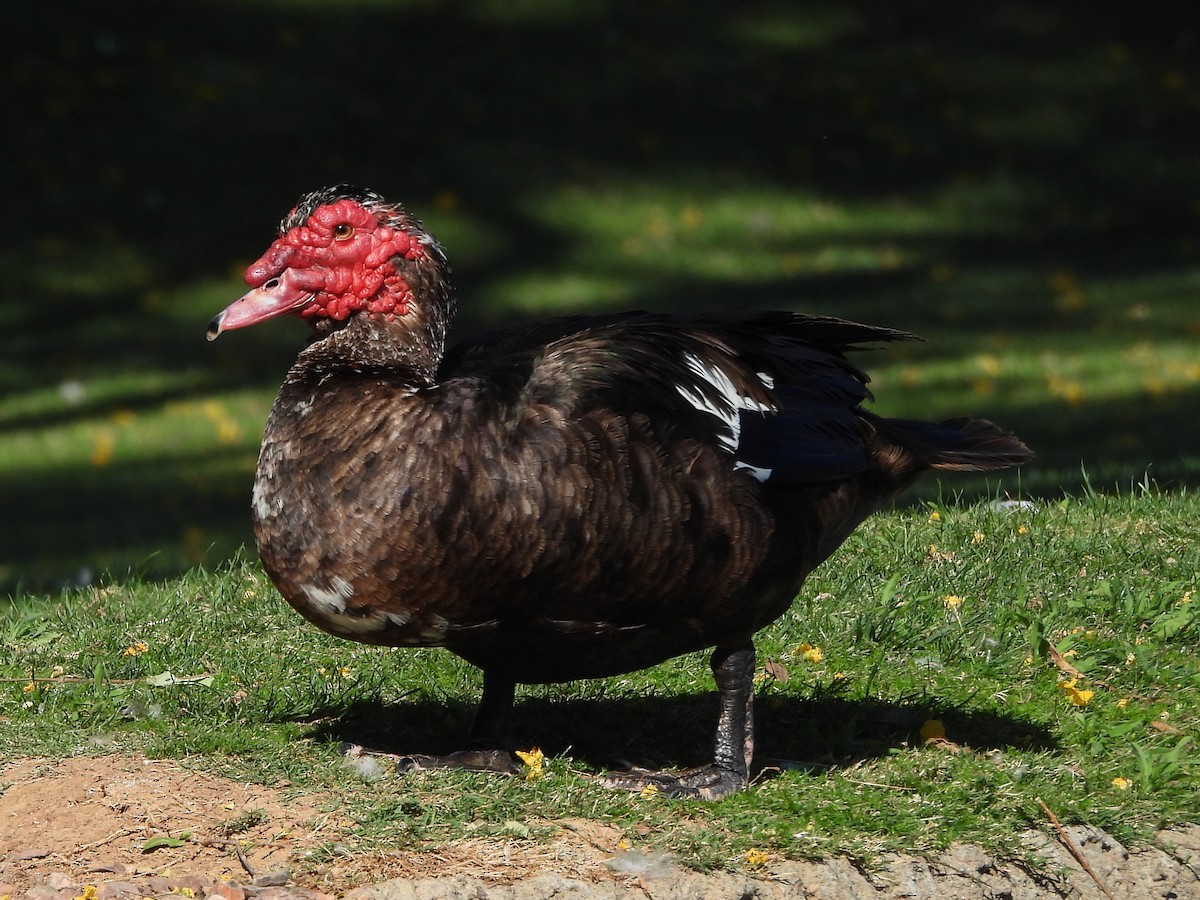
<point>963,445</point>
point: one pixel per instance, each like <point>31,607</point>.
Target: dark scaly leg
<point>734,746</point>
<point>484,751</point>
<point>729,772</point>
<point>490,728</point>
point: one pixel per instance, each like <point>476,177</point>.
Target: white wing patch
<point>728,410</point>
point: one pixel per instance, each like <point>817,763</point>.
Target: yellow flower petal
<point>810,653</point>
<point>1076,696</point>
<point>933,730</point>
<point>534,760</point>
<point>756,857</point>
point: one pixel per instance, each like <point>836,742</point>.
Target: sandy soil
<point>81,828</point>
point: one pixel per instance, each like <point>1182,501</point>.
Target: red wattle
<point>343,274</point>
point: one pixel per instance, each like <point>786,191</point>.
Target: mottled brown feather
<point>553,527</point>
<point>554,501</point>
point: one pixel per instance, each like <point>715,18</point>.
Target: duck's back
<point>582,499</point>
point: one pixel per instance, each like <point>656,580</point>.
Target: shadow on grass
<point>677,732</point>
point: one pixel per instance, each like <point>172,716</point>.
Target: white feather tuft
<point>728,409</point>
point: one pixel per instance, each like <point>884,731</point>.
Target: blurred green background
<point>1018,183</point>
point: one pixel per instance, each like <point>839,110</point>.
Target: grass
<point>1020,190</point>
<point>1054,648</point>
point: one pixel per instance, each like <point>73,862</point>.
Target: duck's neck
<point>407,347</point>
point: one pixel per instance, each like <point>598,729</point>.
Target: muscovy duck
<point>576,498</point>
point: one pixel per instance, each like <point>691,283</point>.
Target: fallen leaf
<point>937,743</point>
<point>516,829</point>
<point>162,840</point>
<point>1059,660</point>
<point>777,670</point>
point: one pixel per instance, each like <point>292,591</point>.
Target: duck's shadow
<point>677,731</point>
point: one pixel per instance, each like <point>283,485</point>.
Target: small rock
<point>43,892</point>
<point>186,883</point>
<point>113,868</point>
<point>58,881</point>
<point>967,858</point>
<point>31,853</point>
<point>111,890</point>
<point>290,893</point>
<point>159,884</point>
<point>274,878</point>
<point>1183,841</point>
<point>643,865</point>
<point>458,887</point>
<point>225,890</point>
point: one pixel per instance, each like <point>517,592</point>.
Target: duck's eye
<point>343,231</point>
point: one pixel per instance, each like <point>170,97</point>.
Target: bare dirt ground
<point>120,827</point>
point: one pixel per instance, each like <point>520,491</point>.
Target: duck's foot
<point>709,782</point>
<point>487,732</point>
<point>500,761</point>
<point>729,772</point>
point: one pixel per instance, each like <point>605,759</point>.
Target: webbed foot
<point>709,782</point>
<point>733,750</point>
<point>500,761</point>
<point>486,734</point>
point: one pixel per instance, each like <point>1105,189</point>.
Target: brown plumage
<point>577,498</point>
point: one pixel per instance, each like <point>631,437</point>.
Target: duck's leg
<point>729,772</point>
<point>485,748</point>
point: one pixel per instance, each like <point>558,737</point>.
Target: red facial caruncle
<point>339,261</point>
